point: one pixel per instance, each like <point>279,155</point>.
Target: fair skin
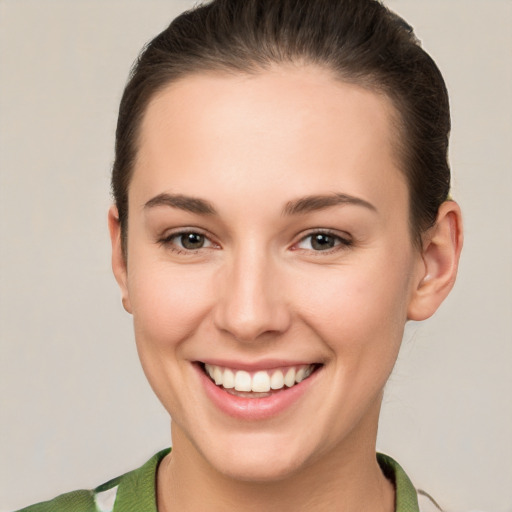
<point>231,262</point>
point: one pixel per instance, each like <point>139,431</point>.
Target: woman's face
<point>268,239</point>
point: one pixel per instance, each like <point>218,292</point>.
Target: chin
<point>272,469</point>
<point>264,458</point>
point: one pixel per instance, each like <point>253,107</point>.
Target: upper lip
<point>253,366</point>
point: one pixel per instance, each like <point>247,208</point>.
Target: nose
<point>251,303</point>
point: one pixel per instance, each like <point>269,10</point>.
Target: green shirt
<point>135,491</point>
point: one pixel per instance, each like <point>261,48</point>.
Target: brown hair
<point>361,41</point>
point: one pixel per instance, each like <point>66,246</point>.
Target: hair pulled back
<point>360,41</point>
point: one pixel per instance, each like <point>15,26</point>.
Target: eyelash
<point>340,242</point>
<point>167,241</point>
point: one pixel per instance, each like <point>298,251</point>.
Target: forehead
<point>293,124</point>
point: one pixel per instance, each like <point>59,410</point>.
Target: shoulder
<point>406,495</point>
<point>134,490</point>
<point>408,498</point>
<point>78,501</point>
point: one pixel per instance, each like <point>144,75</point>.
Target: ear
<point>440,260</point>
<point>119,265</point>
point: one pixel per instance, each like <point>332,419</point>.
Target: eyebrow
<point>319,202</point>
<point>187,203</point>
<point>296,207</point>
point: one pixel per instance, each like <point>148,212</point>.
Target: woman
<point>281,210</point>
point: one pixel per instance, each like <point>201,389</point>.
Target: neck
<point>348,479</point>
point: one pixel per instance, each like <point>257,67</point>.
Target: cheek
<point>168,306</point>
<point>167,302</point>
<point>358,308</point>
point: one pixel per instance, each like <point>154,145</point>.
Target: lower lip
<point>253,409</point>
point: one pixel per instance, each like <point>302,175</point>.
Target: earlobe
<point>118,257</point>
<point>440,261</point>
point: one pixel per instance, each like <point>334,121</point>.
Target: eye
<point>191,241</point>
<point>185,241</point>
<point>322,241</point>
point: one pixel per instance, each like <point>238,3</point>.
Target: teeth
<point>259,382</point>
<point>243,381</point>
<point>289,378</point>
<point>277,380</point>
<point>228,379</point>
<point>299,376</point>
<point>217,375</point>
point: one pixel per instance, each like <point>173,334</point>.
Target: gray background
<point>75,407</point>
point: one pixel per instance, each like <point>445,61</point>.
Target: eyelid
<point>345,240</point>
<point>168,236</point>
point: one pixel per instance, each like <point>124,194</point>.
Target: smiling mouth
<point>259,384</point>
